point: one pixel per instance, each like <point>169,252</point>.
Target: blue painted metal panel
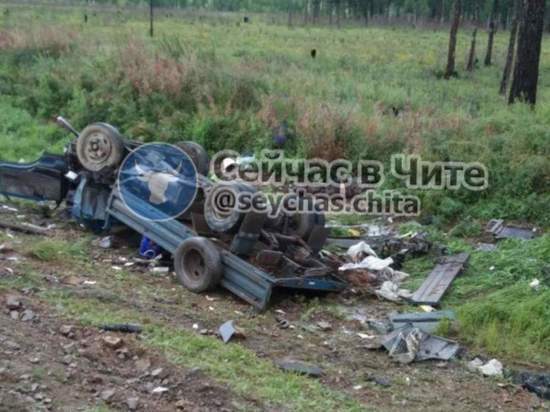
<point>240,277</point>
<point>39,180</point>
<point>327,283</point>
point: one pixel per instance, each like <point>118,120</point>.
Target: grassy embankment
<point>230,86</point>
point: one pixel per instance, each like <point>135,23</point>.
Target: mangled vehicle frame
<point>248,254</point>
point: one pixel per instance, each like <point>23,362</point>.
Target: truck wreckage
<point>249,254</point>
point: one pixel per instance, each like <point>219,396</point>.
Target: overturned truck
<point>250,254</point>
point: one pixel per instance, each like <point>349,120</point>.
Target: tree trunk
<point>511,49</point>
<point>471,58</point>
<point>289,17</point>
<point>365,12</point>
<point>151,18</point>
<point>316,11</point>
<point>526,71</point>
<point>492,30</point>
<point>450,71</point>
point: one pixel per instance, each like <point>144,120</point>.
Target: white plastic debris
<point>359,251</point>
<point>72,176</point>
<point>159,270</point>
<point>160,389</point>
<point>473,366</point>
<point>9,209</point>
<point>535,284</point>
<point>369,263</point>
<point>390,291</point>
<point>491,368</point>
<point>398,276</point>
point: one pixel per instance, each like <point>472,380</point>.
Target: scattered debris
<point>159,373</point>
<point>105,242</point>
<point>299,367</point>
<point>425,321</point>
<point>380,380</point>
<point>13,302</point>
<point>72,280</point>
<point>500,231</point>
<point>27,315</point>
<point>282,322</point>
<point>228,330</point>
<point>160,270</point>
<point>379,326</point>
<point>149,249</point>
<point>324,326</point>
<point>538,383</point>
<point>439,280</point>
<point>391,291</point>
<point>535,284</point>
<point>7,208</point>
<point>112,342</point>
<point>160,389</point>
<point>408,344</point>
<point>360,251</point>
<point>122,327</point>
<point>491,368</point>
<point>25,228</point>
<point>370,341</point>
<point>486,247</point>
<point>369,263</point>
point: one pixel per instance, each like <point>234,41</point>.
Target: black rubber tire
<point>100,147</point>
<point>198,264</point>
<point>228,222</point>
<point>302,224</point>
<point>198,155</point>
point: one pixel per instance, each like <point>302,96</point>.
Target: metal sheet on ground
<point>439,280</point>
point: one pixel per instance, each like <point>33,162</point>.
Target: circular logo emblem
<point>158,181</point>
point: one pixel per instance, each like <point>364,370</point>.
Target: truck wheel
<point>99,147</point>
<point>198,155</point>
<point>224,221</point>
<point>198,264</point>
<point>302,223</point>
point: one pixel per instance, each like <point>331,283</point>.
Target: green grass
<point>232,364</point>
<point>23,137</point>
<point>229,86</point>
<point>57,250</point>
<point>497,310</point>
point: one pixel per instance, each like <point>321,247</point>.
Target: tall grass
<point>369,93</point>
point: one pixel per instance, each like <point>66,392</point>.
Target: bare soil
<point>42,367</point>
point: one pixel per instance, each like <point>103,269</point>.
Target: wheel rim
<point>194,264</point>
<point>97,148</point>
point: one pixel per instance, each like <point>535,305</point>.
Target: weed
<point>55,250</point>
<point>224,363</point>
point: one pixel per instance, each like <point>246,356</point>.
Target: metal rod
<point>65,124</point>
